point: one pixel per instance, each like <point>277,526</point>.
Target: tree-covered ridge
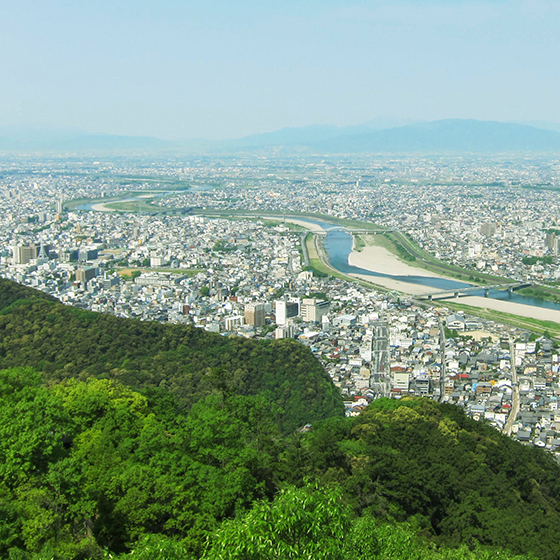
<point>459,480</point>
<point>87,466</point>
<point>11,292</point>
<point>93,469</point>
<point>142,440</point>
<point>65,343</point>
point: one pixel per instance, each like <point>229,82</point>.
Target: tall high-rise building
<point>85,274</point>
<point>550,241</point>
<point>87,254</point>
<point>24,253</point>
<point>312,310</point>
<point>254,314</point>
<point>283,310</point>
<point>488,229</point>
<point>68,255</point>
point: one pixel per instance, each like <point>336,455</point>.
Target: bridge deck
<point>510,286</point>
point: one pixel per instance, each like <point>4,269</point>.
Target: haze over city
<point>179,70</point>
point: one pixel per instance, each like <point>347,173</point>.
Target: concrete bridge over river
<point>353,231</point>
<point>461,292</point>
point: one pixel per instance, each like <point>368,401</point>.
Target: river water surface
<point>338,245</point>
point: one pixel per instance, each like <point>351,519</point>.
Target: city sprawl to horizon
<point>227,245</point>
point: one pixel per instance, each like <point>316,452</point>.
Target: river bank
<point>381,260</point>
<point>405,288</point>
<point>530,311</point>
<point>303,223</point>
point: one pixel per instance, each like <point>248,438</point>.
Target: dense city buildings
<point>195,242</point>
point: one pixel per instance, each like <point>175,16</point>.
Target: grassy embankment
<point>548,328</point>
<point>113,203</point>
<point>139,205</point>
<point>273,222</point>
<point>428,262</point>
<point>541,292</point>
<point>267,215</point>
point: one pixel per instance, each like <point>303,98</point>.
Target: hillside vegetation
<point>102,459</point>
<point>67,343</point>
<point>88,467</point>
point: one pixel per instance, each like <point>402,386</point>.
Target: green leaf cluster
<point>90,465</point>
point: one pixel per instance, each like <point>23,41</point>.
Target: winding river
<point>338,245</point>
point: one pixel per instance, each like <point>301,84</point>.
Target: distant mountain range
<point>453,135</point>
<point>70,139</point>
<point>314,134</point>
<point>378,136</point>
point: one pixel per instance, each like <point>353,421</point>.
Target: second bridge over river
<point>460,292</point>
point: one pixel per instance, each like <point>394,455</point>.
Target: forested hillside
<point>92,467</point>
<point>457,480</point>
<point>110,452</point>
<point>67,343</point>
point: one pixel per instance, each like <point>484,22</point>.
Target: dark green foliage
<point>459,480</point>
<point>549,294</point>
<point>64,343</point>
<point>89,465</point>
<point>11,292</point>
<point>529,261</point>
<point>195,466</point>
<point>93,465</point>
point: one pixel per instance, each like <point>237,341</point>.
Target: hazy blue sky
<point>217,69</point>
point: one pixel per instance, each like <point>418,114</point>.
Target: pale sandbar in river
<point>307,225</point>
<point>100,207</point>
<point>540,313</point>
<point>380,259</point>
<point>397,285</point>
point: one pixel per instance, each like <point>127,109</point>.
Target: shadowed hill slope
<point>63,342</point>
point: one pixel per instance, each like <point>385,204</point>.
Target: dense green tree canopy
<point>92,465</point>
<point>65,343</point>
<point>457,479</point>
<point>139,440</point>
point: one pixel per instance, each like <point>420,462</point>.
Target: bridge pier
<point>486,292</point>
